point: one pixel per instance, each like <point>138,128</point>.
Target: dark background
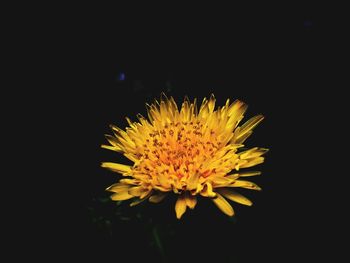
<point>280,60</point>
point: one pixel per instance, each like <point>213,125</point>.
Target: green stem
<point>158,241</point>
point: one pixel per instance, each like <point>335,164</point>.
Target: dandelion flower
<point>189,152</point>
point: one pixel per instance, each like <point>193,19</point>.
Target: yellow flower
<point>187,152</point>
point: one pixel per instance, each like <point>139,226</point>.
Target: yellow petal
<point>142,198</point>
<point>234,196</point>
<point>122,136</point>
<point>180,206</point>
<point>130,181</point>
<point>191,200</point>
<point>197,190</point>
<point>194,109</point>
<point>152,113</point>
<point>223,205</point>
<point>131,157</point>
<point>203,109</point>
<point>185,110</point>
<point>161,188</point>
<point>246,154</point>
<point>136,191</point>
<point>245,184</point>
<point>157,197</point>
<point>112,140</point>
<point>235,113</point>
<point>146,193</point>
<point>250,125</point>
<point>233,177</point>
<point>252,153</point>
<point>221,181</point>
<point>112,148</point>
<point>237,109</point>
<point>211,103</point>
<point>192,181</point>
<point>243,137</point>
<point>118,188</point>
<point>117,167</point>
<point>208,190</point>
<point>121,196</point>
<point>246,174</point>
<point>253,162</point>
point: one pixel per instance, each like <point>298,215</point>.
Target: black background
<point>279,60</point>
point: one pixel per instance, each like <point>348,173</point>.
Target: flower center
<point>178,149</point>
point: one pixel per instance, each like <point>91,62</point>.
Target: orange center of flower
<point>171,155</point>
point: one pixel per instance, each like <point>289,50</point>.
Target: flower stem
<point>158,241</point>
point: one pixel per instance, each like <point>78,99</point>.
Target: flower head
<point>188,152</point>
